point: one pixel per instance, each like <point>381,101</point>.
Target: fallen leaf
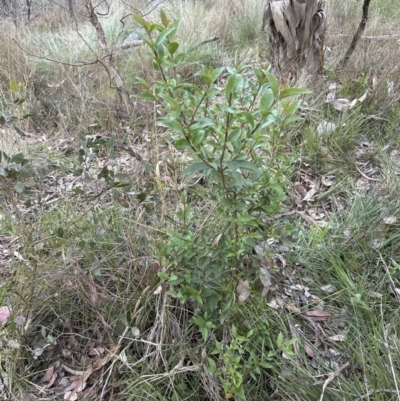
<point>291,307</point>
<point>326,181</point>
<point>4,314</point>
<point>38,351</point>
<point>266,281</point>
<point>64,382</point>
<point>96,351</point>
<point>276,303</point>
<point>325,128</point>
<point>318,314</point>
<point>52,379</point>
<point>390,220</point>
<point>243,290</point>
<point>48,375</point>
<point>13,344</point>
<point>158,290</point>
<point>374,294</point>
<point>309,195</point>
<point>328,288</point>
<point>338,337</point>
<point>309,352</point>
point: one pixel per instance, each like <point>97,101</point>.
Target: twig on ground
<point>331,377</point>
<point>365,176</point>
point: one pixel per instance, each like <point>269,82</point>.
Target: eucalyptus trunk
<point>297,30</point>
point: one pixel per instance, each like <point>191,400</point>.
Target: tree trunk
<point>297,31</point>
<point>107,60</point>
<point>357,35</point>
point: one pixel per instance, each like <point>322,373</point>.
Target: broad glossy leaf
<point>167,32</point>
<point>216,73</point>
<point>267,100</point>
<point>171,123</point>
<point>173,47</point>
<point>197,137</point>
<point>164,18</point>
<point>194,168</point>
<point>202,123</point>
<point>291,108</point>
<point>142,82</point>
<point>182,144</point>
<point>146,95</point>
<point>293,92</point>
<point>233,85</point>
<point>13,85</point>
<point>141,21</point>
<point>273,82</point>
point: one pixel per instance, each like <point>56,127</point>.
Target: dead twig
<point>365,176</point>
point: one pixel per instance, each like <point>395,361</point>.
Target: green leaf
<point>19,131</point>
<point>235,165</point>
<point>163,275</point>
<point>173,47</point>
<point>216,73</point>
<point>197,137</point>
<point>199,321</point>
<point>234,331</point>
<point>60,232</point>
<point>293,92</point>
<point>291,108</point>
<point>146,95</point>
<point>19,158</point>
<point>210,93</point>
<point>233,86</point>
<point>235,134</point>
<point>142,82</point>
<point>145,39</point>
<point>279,340</point>
<point>172,123</point>
<point>141,21</point>
<point>249,119</point>
<point>202,123</point>
<point>194,168</point>
<point>13,85</point>
<point>290,120</point>
<point>267,100</point>
<point>181,144</point>
<point>167,32</point>
<point>204,333</point>
<point>273,82</point>
<point>164,18</point>
<point>212,365</point>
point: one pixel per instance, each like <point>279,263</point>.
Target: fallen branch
<point>215,38</point>
<point>126,46</point>
<point>379,37</point>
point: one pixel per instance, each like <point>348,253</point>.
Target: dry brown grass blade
<point>88,281</point>
<point>96,365</point>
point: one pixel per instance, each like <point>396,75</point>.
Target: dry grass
<point>114,238</point>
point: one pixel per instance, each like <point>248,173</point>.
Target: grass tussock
<point>102,239</point>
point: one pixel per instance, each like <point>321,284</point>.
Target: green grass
<point>96,282</point>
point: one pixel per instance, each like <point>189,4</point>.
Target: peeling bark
<point>297,31</point>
